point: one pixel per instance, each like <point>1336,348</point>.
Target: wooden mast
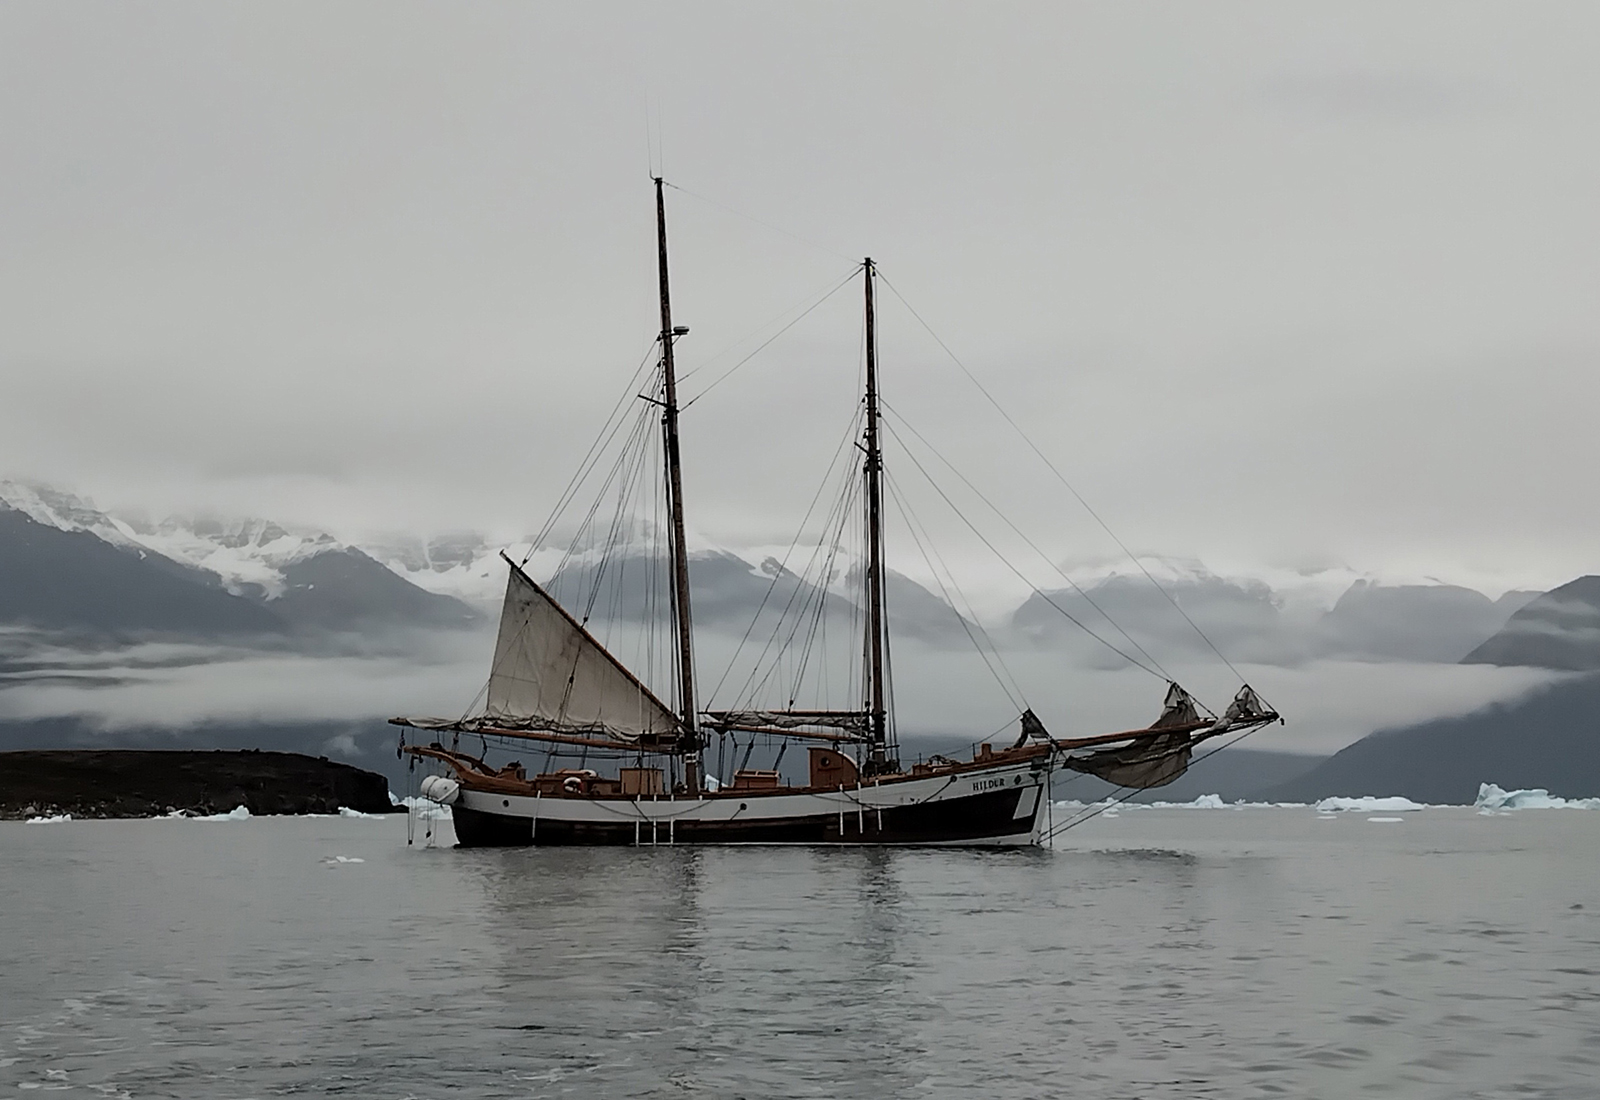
<point>878,714</point>
<point>690,742</point>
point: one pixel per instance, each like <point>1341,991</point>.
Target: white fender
<point>441,789</point>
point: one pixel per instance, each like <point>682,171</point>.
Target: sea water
<point>1170,952</point>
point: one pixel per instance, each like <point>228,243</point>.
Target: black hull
<point>977,819</point>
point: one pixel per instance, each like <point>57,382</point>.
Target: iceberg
<point>52,820</point>
<point>1204,802</point>
<point>238,813</point>
<point>1492,797</point>
<point>1369,805</point>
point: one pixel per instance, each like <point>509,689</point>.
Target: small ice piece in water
<point>334,861</point>
<point>346,811</point>
<point>53,820</point>
<point>1369,805</point>
<point>1385,820</point>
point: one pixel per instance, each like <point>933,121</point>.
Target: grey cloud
<point>1375,93</point>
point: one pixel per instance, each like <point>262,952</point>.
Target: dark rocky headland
<point>149,783</point>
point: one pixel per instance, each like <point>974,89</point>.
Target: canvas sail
<point>1162,755</point>
<point>551,673</point>
<point>1154,760</point>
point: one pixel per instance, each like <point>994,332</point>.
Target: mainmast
<point>690,742</point>
<point>878,713</point>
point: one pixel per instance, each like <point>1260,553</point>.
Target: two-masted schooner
<point>553,684</point>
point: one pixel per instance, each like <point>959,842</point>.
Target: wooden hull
<point>1001,806</point>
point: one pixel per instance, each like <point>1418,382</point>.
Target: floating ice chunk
<point>1204,802</point>
<point>1369,805</point>
<point>55,819</point>
<point>346,811</point>
<point>1491,797</point>
<point>1385,820</point>
<point>238,813</point>
<point>334,861</point>
<point>426,809</point>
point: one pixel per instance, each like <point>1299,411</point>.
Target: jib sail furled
<point>1161,755</point>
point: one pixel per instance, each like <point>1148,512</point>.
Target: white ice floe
<point>1385,820</point>
<point>1491,797</point>
<point>1369,805</point>
<point>346,811</point>
<point>238,813</point>
<point>334,861</point>
<point>1204,802</point>
<point>52,820</point>
<point>426,808</point>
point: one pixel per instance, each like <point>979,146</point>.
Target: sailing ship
<point>554,684</point>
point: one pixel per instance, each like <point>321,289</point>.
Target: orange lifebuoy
<point>572,783</point>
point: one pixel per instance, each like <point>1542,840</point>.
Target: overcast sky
<point>1277,285</point>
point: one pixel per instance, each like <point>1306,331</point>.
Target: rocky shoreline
<point>123,783</point>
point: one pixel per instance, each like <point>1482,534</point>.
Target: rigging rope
<point>1031,545</point>
<point>1070,617</point>
<point>1062,478</point>
<point>585,466</point>
<point>719,379</point>
<point>1101,807</point>
<point>1015,697</point>
<point>783,565</point>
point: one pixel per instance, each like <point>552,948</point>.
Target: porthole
<point>505,802</point>
<point>742,806</point>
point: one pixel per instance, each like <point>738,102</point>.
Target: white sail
<point>550,673</point>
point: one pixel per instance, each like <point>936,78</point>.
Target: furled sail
<point>1154,760</point>
<point>550,673</point>
<point>852,721</point>
<point>1162,755</point>
<point>1148,762</point>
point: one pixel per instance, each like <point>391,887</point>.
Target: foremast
<point>679,550</point>
<point>879,760</point>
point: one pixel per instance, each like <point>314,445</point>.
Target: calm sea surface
<point>1157,953</point>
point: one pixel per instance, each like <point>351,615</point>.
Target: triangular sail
<point>551,673</point>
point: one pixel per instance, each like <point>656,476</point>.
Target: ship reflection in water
<point>1163,953</point>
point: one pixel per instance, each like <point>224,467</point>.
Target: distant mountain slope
<point>1548,739</point>
<point>293,580</point>
<point>347,590</point>
<point>76,580</point>
<point>1412,622</point>
<point>1240,617</point>
<point>1559,630</point>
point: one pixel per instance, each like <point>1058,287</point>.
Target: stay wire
<point>783,564</point>
<point>841,509</point>
<point>1100,808</point>
<point>1015,699</point>
<point>1062,478</point>
<point>1069,616</point>
<point>607,432</point>
<point>768,341</point>
<point>1030,543</point>
<point>728,349</point>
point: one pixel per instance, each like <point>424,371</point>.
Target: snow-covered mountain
<point>309,577</point>
<point>303,577</point>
